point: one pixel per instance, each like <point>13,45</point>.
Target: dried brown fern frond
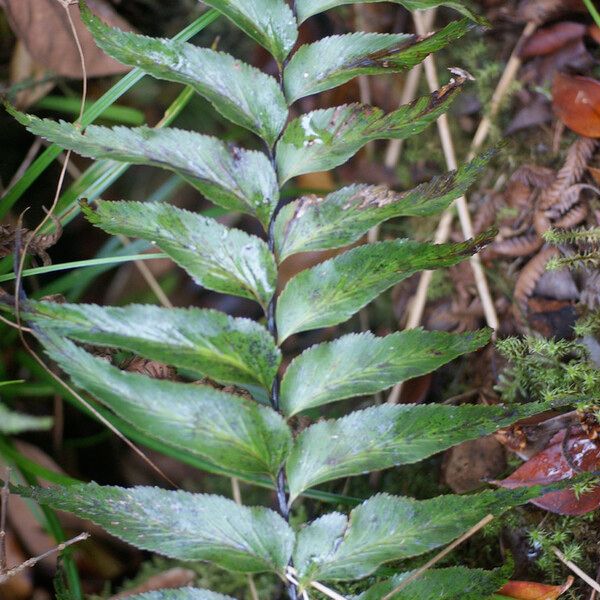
<point>529,276</point>
<point>576,162</point>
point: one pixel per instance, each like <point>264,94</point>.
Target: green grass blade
<point>125,115</point>
<point>92,262</point>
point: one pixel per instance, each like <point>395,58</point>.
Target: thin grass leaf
<point>14,423</point>
<point>78,264</point>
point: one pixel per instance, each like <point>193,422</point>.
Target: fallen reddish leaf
<point>576,102</point>
<point>550,466</point>
<point>549,39</point>
<point>529,590</point>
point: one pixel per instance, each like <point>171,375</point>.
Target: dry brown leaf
<point>151,368</point>
<point>549,39</point>
<point>24,68</point>
<point>531,274</point>
<point>44,29</point>
<point>36,244</point>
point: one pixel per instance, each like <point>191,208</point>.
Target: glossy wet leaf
<point>332,61</point>
<point>233,178</point>
<point>342,217</point>
<point>14,423</point>
<point>241,93</point>
<point>362,364</point>
<point>206,342</point>
<point>326,138</point>
<point>307,8</point>
<point>334,290</point>
<point>270,22</point>
<point>179,524</point>
<point>180,594</point>
<point>550,465</point>
<point>217,257</point>
<point>388,435</point>
<point>388,528</point>
<point>440,584</point>
<point>228,430</point>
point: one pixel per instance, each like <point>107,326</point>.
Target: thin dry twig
<point>237,496</point>
<point>409,93</point>
<point>4,577</point>
<point>439,556</point>
<point>594,592</point>
<point>291,572</point>
<point>31,153</point>
<point>593,584</point>
<point>4,495</point>
<point>415,313</point>
<point>461,203</point>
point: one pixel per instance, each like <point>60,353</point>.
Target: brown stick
<point>593,584</point>
<point>33,561</point>
<point>415,313</point>
<point>4,495</point>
